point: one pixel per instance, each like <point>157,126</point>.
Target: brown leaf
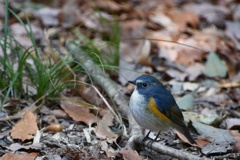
<point>201,142</point>
<point>69,13</point>
<point>111,6</point>
<point>182,54</point>
<point>129,154</point>
<point>26,128</point>
<point>90,95</point>
<point>10,156</point>
<point>215,17</point>
<point>162,19</point>
<point>78,111</point>
<point>236,135</point>
<point>182,19</point>
<point>173,19</point>
<point>103,131</point>
<point>136,51</point>
<point>144,54</point>
<point>132,28</point>
<point>183,138</point>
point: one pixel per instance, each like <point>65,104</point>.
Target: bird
<point>154,108</point>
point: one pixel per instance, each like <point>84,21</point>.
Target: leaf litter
<point>76,128</point>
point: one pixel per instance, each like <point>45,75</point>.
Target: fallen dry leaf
<point>184,139</point>
<point>214,66</point>
<point>132,28</point>
<point>179,53</point>
<point>221,140</point>
<point>182,19</point>
<point>187,55</point>
<point>162,19</point>
<point>209,14</point>
<point>129,154</point>
<point>26,128</point>
<point>174,20</point>
<point>111,6</point>
<point>233,123</point>
<point>125,72</point>
<point>194,71</point>
<point>48,16</point>
<point>21,34</point>
<point>110,152</point>
<point>10,156</point>
<point>144,54</point>
<point>78,111</point>
<point>103,131</point>
<point>69,13</point>
<point>139,49</point>
<point>186,102</point>
<point>90,95</point>
<point>236,135</point>
<point>201,142</point>
<point>176,74</point>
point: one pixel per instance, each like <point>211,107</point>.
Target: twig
<point>180,154</point>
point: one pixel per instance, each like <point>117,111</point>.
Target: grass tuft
<point>27,72</point>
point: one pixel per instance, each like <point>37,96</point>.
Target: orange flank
<point>152,106</point>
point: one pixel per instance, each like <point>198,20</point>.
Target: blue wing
<point>167,105</point>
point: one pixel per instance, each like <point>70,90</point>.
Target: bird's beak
<point>133,82</point>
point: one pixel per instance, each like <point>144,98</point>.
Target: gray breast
<point>140,112</point>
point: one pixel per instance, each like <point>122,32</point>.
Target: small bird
<point>154,108</point>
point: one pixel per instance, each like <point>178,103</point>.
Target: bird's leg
<point>157,136</point>
<point>146,136</point>
<point>152,140</point>
<point>149,144</point>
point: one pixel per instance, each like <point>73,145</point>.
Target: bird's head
<point>145,83</point>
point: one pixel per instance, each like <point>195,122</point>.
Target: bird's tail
<point>184,130</point>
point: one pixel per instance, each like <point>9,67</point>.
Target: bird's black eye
<point>144,85</point>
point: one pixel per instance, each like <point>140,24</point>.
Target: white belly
<point>142,115</point>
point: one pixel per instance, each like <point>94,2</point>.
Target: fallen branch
<point>180,154</point>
